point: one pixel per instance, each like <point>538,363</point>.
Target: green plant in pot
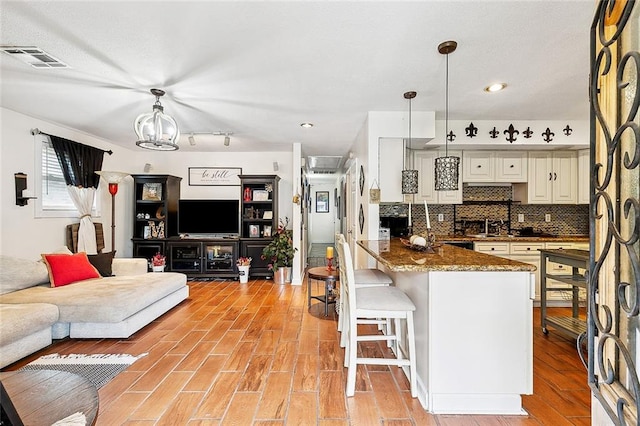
<point>280,250</point>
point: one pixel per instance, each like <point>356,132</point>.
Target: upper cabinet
<point>494,166</point>
<point>552,178</point>
<point>391,153</point>
<point>584,176</point>
<point>424,162</point>
<point>478,166</point>
<point>511,166</point>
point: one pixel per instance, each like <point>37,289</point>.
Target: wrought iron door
<point>614,268</point>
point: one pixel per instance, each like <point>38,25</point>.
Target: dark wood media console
<point>204,257</point>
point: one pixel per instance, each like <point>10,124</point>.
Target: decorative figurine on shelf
<point>158,262</point>
<point>329,258</point>
<point>247,194</point>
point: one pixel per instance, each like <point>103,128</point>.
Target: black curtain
<point>79,162</point>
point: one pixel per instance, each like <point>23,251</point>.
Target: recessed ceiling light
<point>496,87</point>
<point>306,125</point>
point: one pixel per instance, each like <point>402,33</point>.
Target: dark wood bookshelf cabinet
<point>259,218</point>
<point>155,205</point>
<point>155,213</point>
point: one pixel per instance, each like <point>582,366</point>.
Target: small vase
<point>243,274</point>
<point>158,268</point>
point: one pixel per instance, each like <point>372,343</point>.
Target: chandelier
<point>157,130</point>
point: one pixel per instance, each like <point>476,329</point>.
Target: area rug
<point>99,369</point>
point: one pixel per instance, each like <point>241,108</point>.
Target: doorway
<point>323,215</point>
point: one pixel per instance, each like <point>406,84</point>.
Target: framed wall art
<point>214,176</point>
<point>322,201</point>
<point>260,195</point>
<point>152,191</point>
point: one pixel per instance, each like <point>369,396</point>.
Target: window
<point>53,199</point>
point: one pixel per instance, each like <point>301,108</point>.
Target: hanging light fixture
<point>157,130</point>
<point>409,177</point>
<point>447,168</point>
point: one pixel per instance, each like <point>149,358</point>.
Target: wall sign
<point>214,176</point>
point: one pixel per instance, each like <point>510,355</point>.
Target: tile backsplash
<point>566,219</point>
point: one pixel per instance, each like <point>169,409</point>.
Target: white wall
<point>23,235</point>
<point>322,225</point>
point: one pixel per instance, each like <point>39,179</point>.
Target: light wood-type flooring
<point>252,354</point>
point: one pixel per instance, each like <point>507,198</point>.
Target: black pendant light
<point>409,177</point>
<point>447,168</point>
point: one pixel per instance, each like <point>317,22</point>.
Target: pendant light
<point>409,177</point>
<point>447,168</point>
<point>157,130</point>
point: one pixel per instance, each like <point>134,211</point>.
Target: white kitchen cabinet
<point>424,162</point>
<point>510,166</point>
<point>527,252</point>
<point>565,177</point>
<point>552,178</point>
<point>584,176</point>
<point>496,248</point>
<point>494,166</point>
<point>390,153</point>
<point>478,166</point>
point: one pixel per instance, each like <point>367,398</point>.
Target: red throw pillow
<point>69,268</point>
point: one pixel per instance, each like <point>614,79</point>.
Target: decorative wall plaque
<point>214,176</point>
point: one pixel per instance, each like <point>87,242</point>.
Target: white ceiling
<point>259,69</point>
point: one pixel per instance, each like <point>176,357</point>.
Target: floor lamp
<point>113,179</point>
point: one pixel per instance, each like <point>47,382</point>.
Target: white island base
<point>474,339</point>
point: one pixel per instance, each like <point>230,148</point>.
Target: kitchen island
<point>473,325</point>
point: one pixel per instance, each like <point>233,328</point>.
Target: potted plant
<point>158,262</point>
<point>280,252</point>
<point>243,264</point>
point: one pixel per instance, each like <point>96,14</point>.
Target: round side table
<point>321,273</point>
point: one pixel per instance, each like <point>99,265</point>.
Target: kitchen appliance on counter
<point>398,225</point>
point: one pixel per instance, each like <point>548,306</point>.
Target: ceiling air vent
<point>323,164</point>
<point>33,56</point>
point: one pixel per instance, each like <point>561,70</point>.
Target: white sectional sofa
<point>32,313</point>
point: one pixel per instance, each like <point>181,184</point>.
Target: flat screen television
<point>209,218</point>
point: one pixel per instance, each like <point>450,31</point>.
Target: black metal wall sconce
<point>22,199</point>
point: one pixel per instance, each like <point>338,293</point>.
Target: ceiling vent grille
<point>324,164</point>
<point>34,56</point>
